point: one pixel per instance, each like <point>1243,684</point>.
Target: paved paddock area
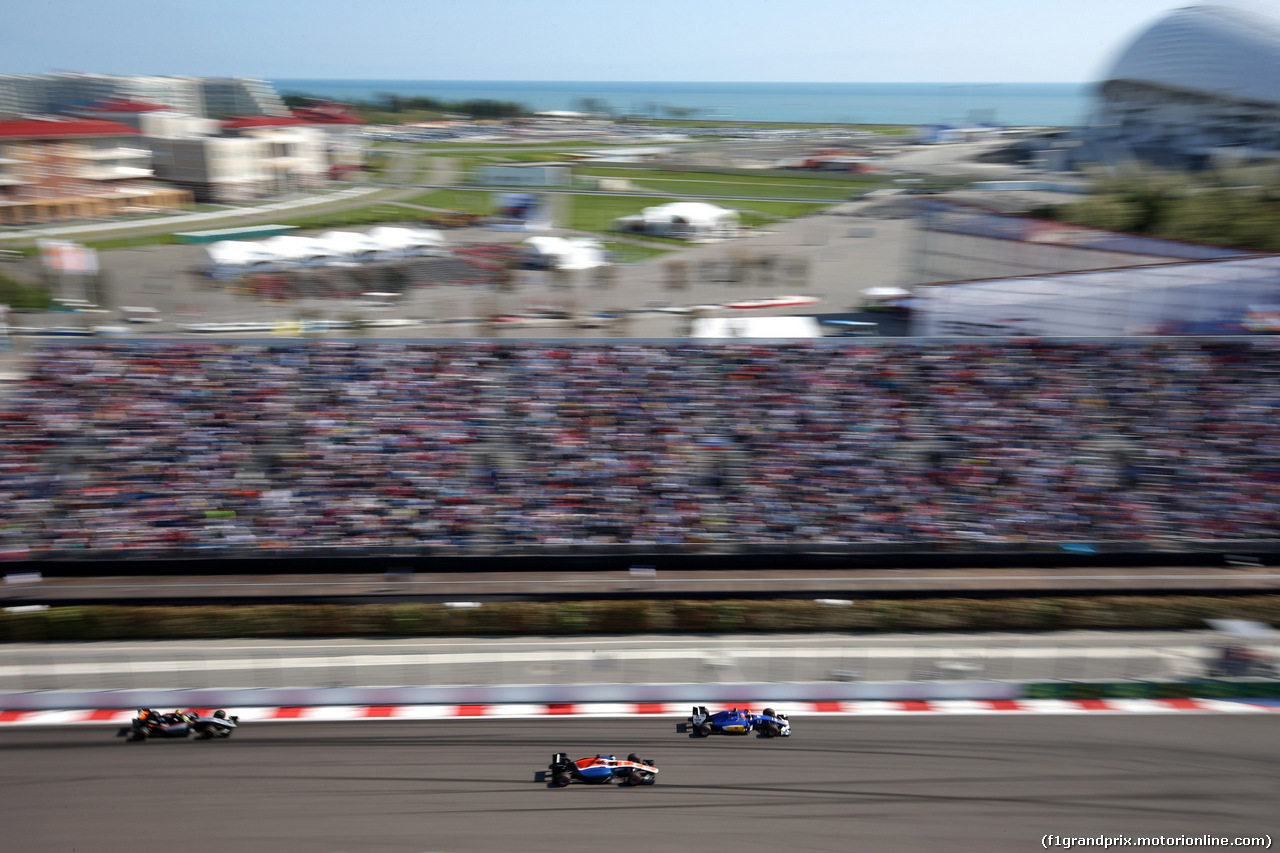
<point>844,253</point>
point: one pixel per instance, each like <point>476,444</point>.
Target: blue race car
<point>737,721</point>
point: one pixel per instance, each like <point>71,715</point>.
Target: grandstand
<point>166,447</point>
<point>967,242</point>
<point>979,272</point>
<point>478,266</point>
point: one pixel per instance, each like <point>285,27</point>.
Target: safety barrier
<point>839,667</point>
<point>589,557</point>
<point>736,694</point>
<point>602,696</point>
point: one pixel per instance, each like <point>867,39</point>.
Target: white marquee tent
<point>357,247</point>
<point>777,328</point>
<point>333,247</point>
<point>239,253</point>
<point>688,220</point>
<point>566,253</point>
<point>305,251</point>
<point>409,241</point>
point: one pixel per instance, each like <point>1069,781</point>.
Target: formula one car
<point>179,724</point>
<point>1234,659</point>
<point>598,770</point>
<point>735,722</point>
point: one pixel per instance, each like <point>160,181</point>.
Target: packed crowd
<point>159,445</point>
<point>481,265</point>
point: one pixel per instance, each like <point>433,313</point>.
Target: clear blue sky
<point>999,41</point>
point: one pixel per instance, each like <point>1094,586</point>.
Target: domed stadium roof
<point>1216,50</point>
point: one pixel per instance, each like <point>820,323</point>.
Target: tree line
<point>390,102</point>
<point>1234,207</point>
<point>481,108</point>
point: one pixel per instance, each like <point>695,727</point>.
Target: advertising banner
<point>66,257</point>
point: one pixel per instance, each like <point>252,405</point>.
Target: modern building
<point>229,97</point>
<point>251,147</point>
<point>979,272</point>
<point>52,169</point>
<point>1228,296</point>
<point>254,157</point>
<point>151,120</point>
<point>32,94</point>
<point>1199,86</point>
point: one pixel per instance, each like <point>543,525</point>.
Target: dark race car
<point>1237,656</point>
<point>737,721</point>
<point>178,724</point>
<point>1232,660</point>
<point>598,770</point>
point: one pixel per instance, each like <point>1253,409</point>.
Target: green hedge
<point>631,617</point>
<point>1195,689</point>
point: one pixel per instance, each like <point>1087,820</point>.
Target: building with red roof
<point>327,112</point>
<point>318,141</point>
<point>54,127</point>
<point>249,122</point>
<point>124,105</point>
<point>75,168</point>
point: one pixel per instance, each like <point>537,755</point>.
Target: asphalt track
<point>990,783</point>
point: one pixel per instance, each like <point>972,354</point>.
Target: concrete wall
<point>45,700</point>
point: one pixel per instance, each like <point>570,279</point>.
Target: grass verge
<point>633,617</point>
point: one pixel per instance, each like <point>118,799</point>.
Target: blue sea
<point>1052,104</point>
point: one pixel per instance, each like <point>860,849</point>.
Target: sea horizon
<point>1041,104</point>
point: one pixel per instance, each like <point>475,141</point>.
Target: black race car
<point>178,724</point>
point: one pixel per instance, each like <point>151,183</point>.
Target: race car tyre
<point>207,734</point>
<point>135,737</point>
<point>768,731</point>
<point>629,780</point>
<point>561,780</point>
<point>635,758</point>
<point>768,712</point>
<point>704,730</point>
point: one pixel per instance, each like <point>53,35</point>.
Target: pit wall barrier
<point>745,694</point>
<point>577,694</point>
